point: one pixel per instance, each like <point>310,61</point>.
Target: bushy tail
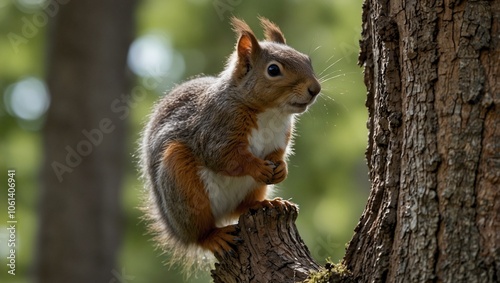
<point>189,257</point>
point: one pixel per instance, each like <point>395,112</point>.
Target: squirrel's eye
<point>273,70</point>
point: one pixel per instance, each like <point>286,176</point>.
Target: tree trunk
<point>80,213</point>
<point>432,74</point>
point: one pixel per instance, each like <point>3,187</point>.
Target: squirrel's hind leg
<point>195,217</point>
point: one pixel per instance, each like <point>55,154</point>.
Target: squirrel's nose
<point>314,88</point>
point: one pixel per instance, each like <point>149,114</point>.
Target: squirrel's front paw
<point>265,172</point>
<point>280,172</point>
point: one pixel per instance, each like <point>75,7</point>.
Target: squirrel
<point>214,146</point>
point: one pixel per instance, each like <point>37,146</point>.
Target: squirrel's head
<point>269,73</point>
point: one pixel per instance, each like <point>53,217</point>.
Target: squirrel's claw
<point>280,172</point>
<point>272,203</point>
<point>265,172</point>
<point>221,241</point>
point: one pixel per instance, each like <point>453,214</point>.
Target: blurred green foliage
<point>327,173</point>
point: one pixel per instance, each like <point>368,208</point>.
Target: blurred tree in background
<point>176,40</point>
<point>80,189</point>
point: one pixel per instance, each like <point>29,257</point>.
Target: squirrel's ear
<point>271,31</point>
<point>248,47</point>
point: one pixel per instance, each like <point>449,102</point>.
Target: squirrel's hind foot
<point>221,240</point>
<point>271,203</point>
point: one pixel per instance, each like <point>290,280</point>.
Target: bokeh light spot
<point>27,99</point>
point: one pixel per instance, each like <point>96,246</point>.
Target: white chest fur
<point>225,192</point>
<point>271,133</point>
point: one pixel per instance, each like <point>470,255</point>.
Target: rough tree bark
<point>79,228</point>
<point>272,249</point>
<point>432,71</point>
<point>433,80</point>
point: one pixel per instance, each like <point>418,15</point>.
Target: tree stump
<point>271,249</point>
